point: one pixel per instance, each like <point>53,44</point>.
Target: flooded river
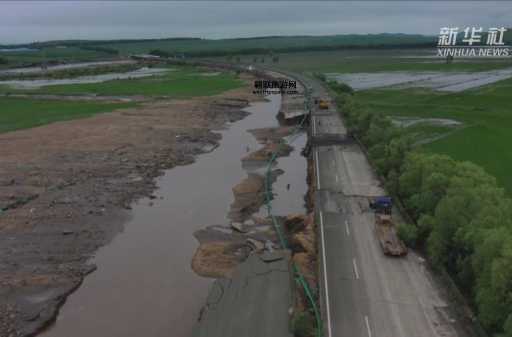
<point>144,285</point>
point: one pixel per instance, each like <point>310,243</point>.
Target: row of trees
<point>110,51</point>
<point>463,219</point>
<point>255,59</point>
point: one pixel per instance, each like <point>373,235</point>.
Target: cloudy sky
<point>26,21</point>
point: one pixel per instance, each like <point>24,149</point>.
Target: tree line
<point>462,218</point>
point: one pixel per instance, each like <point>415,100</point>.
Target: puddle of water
<point>144,285</point>
<point>34,84</point>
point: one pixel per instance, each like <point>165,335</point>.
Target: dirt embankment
<point>66,188</point>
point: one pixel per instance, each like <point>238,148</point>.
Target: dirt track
<point>67,187</point>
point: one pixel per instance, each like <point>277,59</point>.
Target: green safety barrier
<point>299,277</point>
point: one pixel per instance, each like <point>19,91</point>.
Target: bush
<point>303,324</point>
<point>340,88</point>
<point>161,53</point>
<point>3,60</point>
<point>508,326</point>
<point>320,76</point>
<point>408,233</point>
<point>105,50</point>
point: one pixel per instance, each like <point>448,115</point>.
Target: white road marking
<point>337,177</point>
<point>368,326</point>
<point>317,171</point>
<point>326,284</point>
<point>314,126</point>
<point>346,228</point>
<point>356,271</point>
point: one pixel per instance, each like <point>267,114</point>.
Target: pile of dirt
<point>218,259</point>
<point>67,186</point>
<point>310,196</point>
<point>250,195</point>
<point>304,255</point>
<point>271,135</point>
<point>222,248</point>
<point>265,153</point>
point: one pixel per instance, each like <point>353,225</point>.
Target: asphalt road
<point>364,292</point>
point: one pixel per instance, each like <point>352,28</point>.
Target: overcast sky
<point>25,21</point>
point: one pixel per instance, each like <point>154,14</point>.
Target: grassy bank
<point>486,114</point>
<point>22,113</point>
<point>179,82</point>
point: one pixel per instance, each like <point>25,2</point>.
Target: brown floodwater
<point>144,285</point>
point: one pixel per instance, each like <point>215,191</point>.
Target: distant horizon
<point>24,22</point>
<point>201,38</point>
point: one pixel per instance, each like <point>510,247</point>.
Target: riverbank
<point>68,187</point>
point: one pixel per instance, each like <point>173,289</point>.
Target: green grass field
<point>179,82</point>
<point>197,47</point>
<point>486,114</point>
<point>372,60</point>
<point>68,54</point>
<point>18,113</point>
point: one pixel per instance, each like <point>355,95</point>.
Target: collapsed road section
<point>255,301</point>
<point>265,265</point>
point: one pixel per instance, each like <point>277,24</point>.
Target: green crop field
<point>486,114</point>
<point>179,82</point>
<point>18,113</point>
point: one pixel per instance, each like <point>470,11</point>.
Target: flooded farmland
<point>441,81</point>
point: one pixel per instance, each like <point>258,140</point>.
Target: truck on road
<point>385,228</point>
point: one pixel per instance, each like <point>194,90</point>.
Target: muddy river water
<point>144,285</point>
